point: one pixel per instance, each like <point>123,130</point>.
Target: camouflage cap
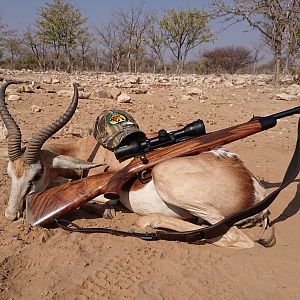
<point>112,126</point>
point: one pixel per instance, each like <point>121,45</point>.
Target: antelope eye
<point>38,175</point>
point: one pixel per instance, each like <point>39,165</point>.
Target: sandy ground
<point>38,263</point>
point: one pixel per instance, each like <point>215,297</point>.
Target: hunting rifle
<point>49,205</point>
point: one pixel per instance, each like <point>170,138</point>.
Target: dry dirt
<point>38,263</point>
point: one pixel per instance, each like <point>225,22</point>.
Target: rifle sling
<point>91,158</point>
<point>212,231</point>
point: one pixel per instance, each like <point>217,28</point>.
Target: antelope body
<point>206,187</point>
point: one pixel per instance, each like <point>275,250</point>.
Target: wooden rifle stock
<point>43,207</point>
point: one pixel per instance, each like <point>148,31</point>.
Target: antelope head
<point>32,168</point>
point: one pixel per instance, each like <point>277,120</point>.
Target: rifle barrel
<point>286,113</point>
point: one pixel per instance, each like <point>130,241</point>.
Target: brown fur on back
<point>219,181</point>
<point>236,169</point>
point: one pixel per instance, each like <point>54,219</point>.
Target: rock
<point>25,89</point>
<point>134,79</point>
<point>55,80</point>
<point>293,89</point>
<point>84,95</point>
<point>100,93</point>
<point>194,91</point>
<point>125,84</point>
<point>285,96</point>
<point>28,89</point>
<point>113,93</point>
<point>47,80</point>
<point>74,130</point>
<point>139,90</point>
<point>3,132</point>
<point>65,93</point>
<point>35,108</point>
<point>239,81</point>
<point>186,97</point>
<point>14,98</point>
<point>124,98</point>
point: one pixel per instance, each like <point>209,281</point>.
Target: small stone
<point>47,80</point>
<point>134,79</point>
<point>113,93</point>
<point>100,93</point>
<point>35,108</point>
<point>28,89</point>
<point>14,98</point>
<point>124,98</point>
<point>55,80</point>
<point>285,96</point>
<point>194,92</point>
<point>65,93</point>
<point>139,90</point>
<point>84,95</point>
<point>293,89</point>
<point>239,81</point>
<point>186,97</point>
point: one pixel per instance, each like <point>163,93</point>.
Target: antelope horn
<point>34,146</point>
<point>14,132</point>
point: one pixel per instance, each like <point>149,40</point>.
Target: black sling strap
<point>85,173</point>
<point>211,231</point>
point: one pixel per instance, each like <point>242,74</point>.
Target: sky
<point>18,14</point>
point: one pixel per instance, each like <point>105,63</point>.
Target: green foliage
<point>60,23</point>
<point>184,30</point>
<point>27,61</point>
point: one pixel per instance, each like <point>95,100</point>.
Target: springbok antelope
<point>206,187</point>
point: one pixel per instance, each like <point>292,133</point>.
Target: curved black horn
<point>14,132</point>
<point>35,144</point>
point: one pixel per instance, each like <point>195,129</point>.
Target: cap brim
<point>133,135</point>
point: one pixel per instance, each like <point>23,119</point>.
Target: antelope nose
<point>10,216</point>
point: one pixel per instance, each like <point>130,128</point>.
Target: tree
<point>14,48</point>
<point>270,17</point>
<point>293,38</point>
<point>228,59</point>
<point>184,30</point>
<point>85,41</point>
<point>33,41</point>
<point>112,39</point>
<point>257,56</point>
<point>60,25</point>
<point>155,40</point>
<point>133,23</point>
<point>4,32</point>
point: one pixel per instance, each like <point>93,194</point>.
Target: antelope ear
<point>68,162</point>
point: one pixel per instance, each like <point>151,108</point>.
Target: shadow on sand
<point>291,209</point>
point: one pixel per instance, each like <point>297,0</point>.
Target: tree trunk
<point>129,62</point>
<point>277,58</point>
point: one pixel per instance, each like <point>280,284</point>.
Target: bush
<point>227,59</point>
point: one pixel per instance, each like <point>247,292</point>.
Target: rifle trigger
<point>145,176</point>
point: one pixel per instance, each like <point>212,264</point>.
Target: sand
<point>49,263</point>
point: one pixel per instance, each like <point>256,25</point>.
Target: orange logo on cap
<point>116,119</point>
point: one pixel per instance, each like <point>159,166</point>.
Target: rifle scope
<point>164,138</point>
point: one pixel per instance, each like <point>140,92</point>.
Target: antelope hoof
<point>109,213</point>
<point>10,216</point>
